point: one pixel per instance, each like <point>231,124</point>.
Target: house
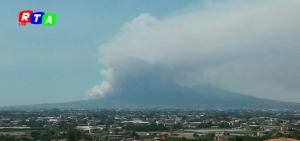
<point>223,135</point>
<point>137,122</point>
<point>169,122</point>
<point>160,136</point>
<point>284,128</point>
<point>158,139</point>
<point>260,133</point>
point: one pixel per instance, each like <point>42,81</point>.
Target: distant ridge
<point>204,96</point>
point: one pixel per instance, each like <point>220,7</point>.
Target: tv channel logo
<point>36,18</point>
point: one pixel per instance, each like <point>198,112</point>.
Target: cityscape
<point>149,124</point>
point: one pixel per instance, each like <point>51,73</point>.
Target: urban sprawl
<point>150,125</point>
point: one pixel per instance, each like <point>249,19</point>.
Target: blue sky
<point>56,64</point>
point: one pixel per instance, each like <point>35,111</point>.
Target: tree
<point>35,135</point>
<point>135,135</point>
<point>116,131</point>
<point>74,135</point>
<point>224,125</point>
<point>71,135</point>
<point>177,126</point>
<point>204,125</point>
<point>195,135</point>
<point>87,137</point>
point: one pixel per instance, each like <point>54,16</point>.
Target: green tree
<point>71,135</point>
<point>35,135</point>
<point>177,126</point>
<point>195,135</point>
<point>134,135</point>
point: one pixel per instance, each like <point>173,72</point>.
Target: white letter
<point>37,17</point>
<point>25,16</point>
<point>49,19</point>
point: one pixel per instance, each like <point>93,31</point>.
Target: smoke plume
<point>251,48</point>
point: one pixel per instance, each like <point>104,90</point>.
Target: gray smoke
<point>250,48</point>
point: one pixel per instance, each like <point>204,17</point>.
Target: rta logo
<point>28,16</point>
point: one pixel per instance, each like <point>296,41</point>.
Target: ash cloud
<point>251,48</point>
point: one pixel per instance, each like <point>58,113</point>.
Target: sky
<point>249,47</point>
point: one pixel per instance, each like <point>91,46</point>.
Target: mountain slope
<point>179,96</point>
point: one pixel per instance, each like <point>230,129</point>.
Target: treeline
<point>33,123</point>
<point>71,134</point>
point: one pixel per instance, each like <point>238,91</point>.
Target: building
<point>113,137</point>
<point>90,129</point>
<point>161,136</point>
<point>221,136</point>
